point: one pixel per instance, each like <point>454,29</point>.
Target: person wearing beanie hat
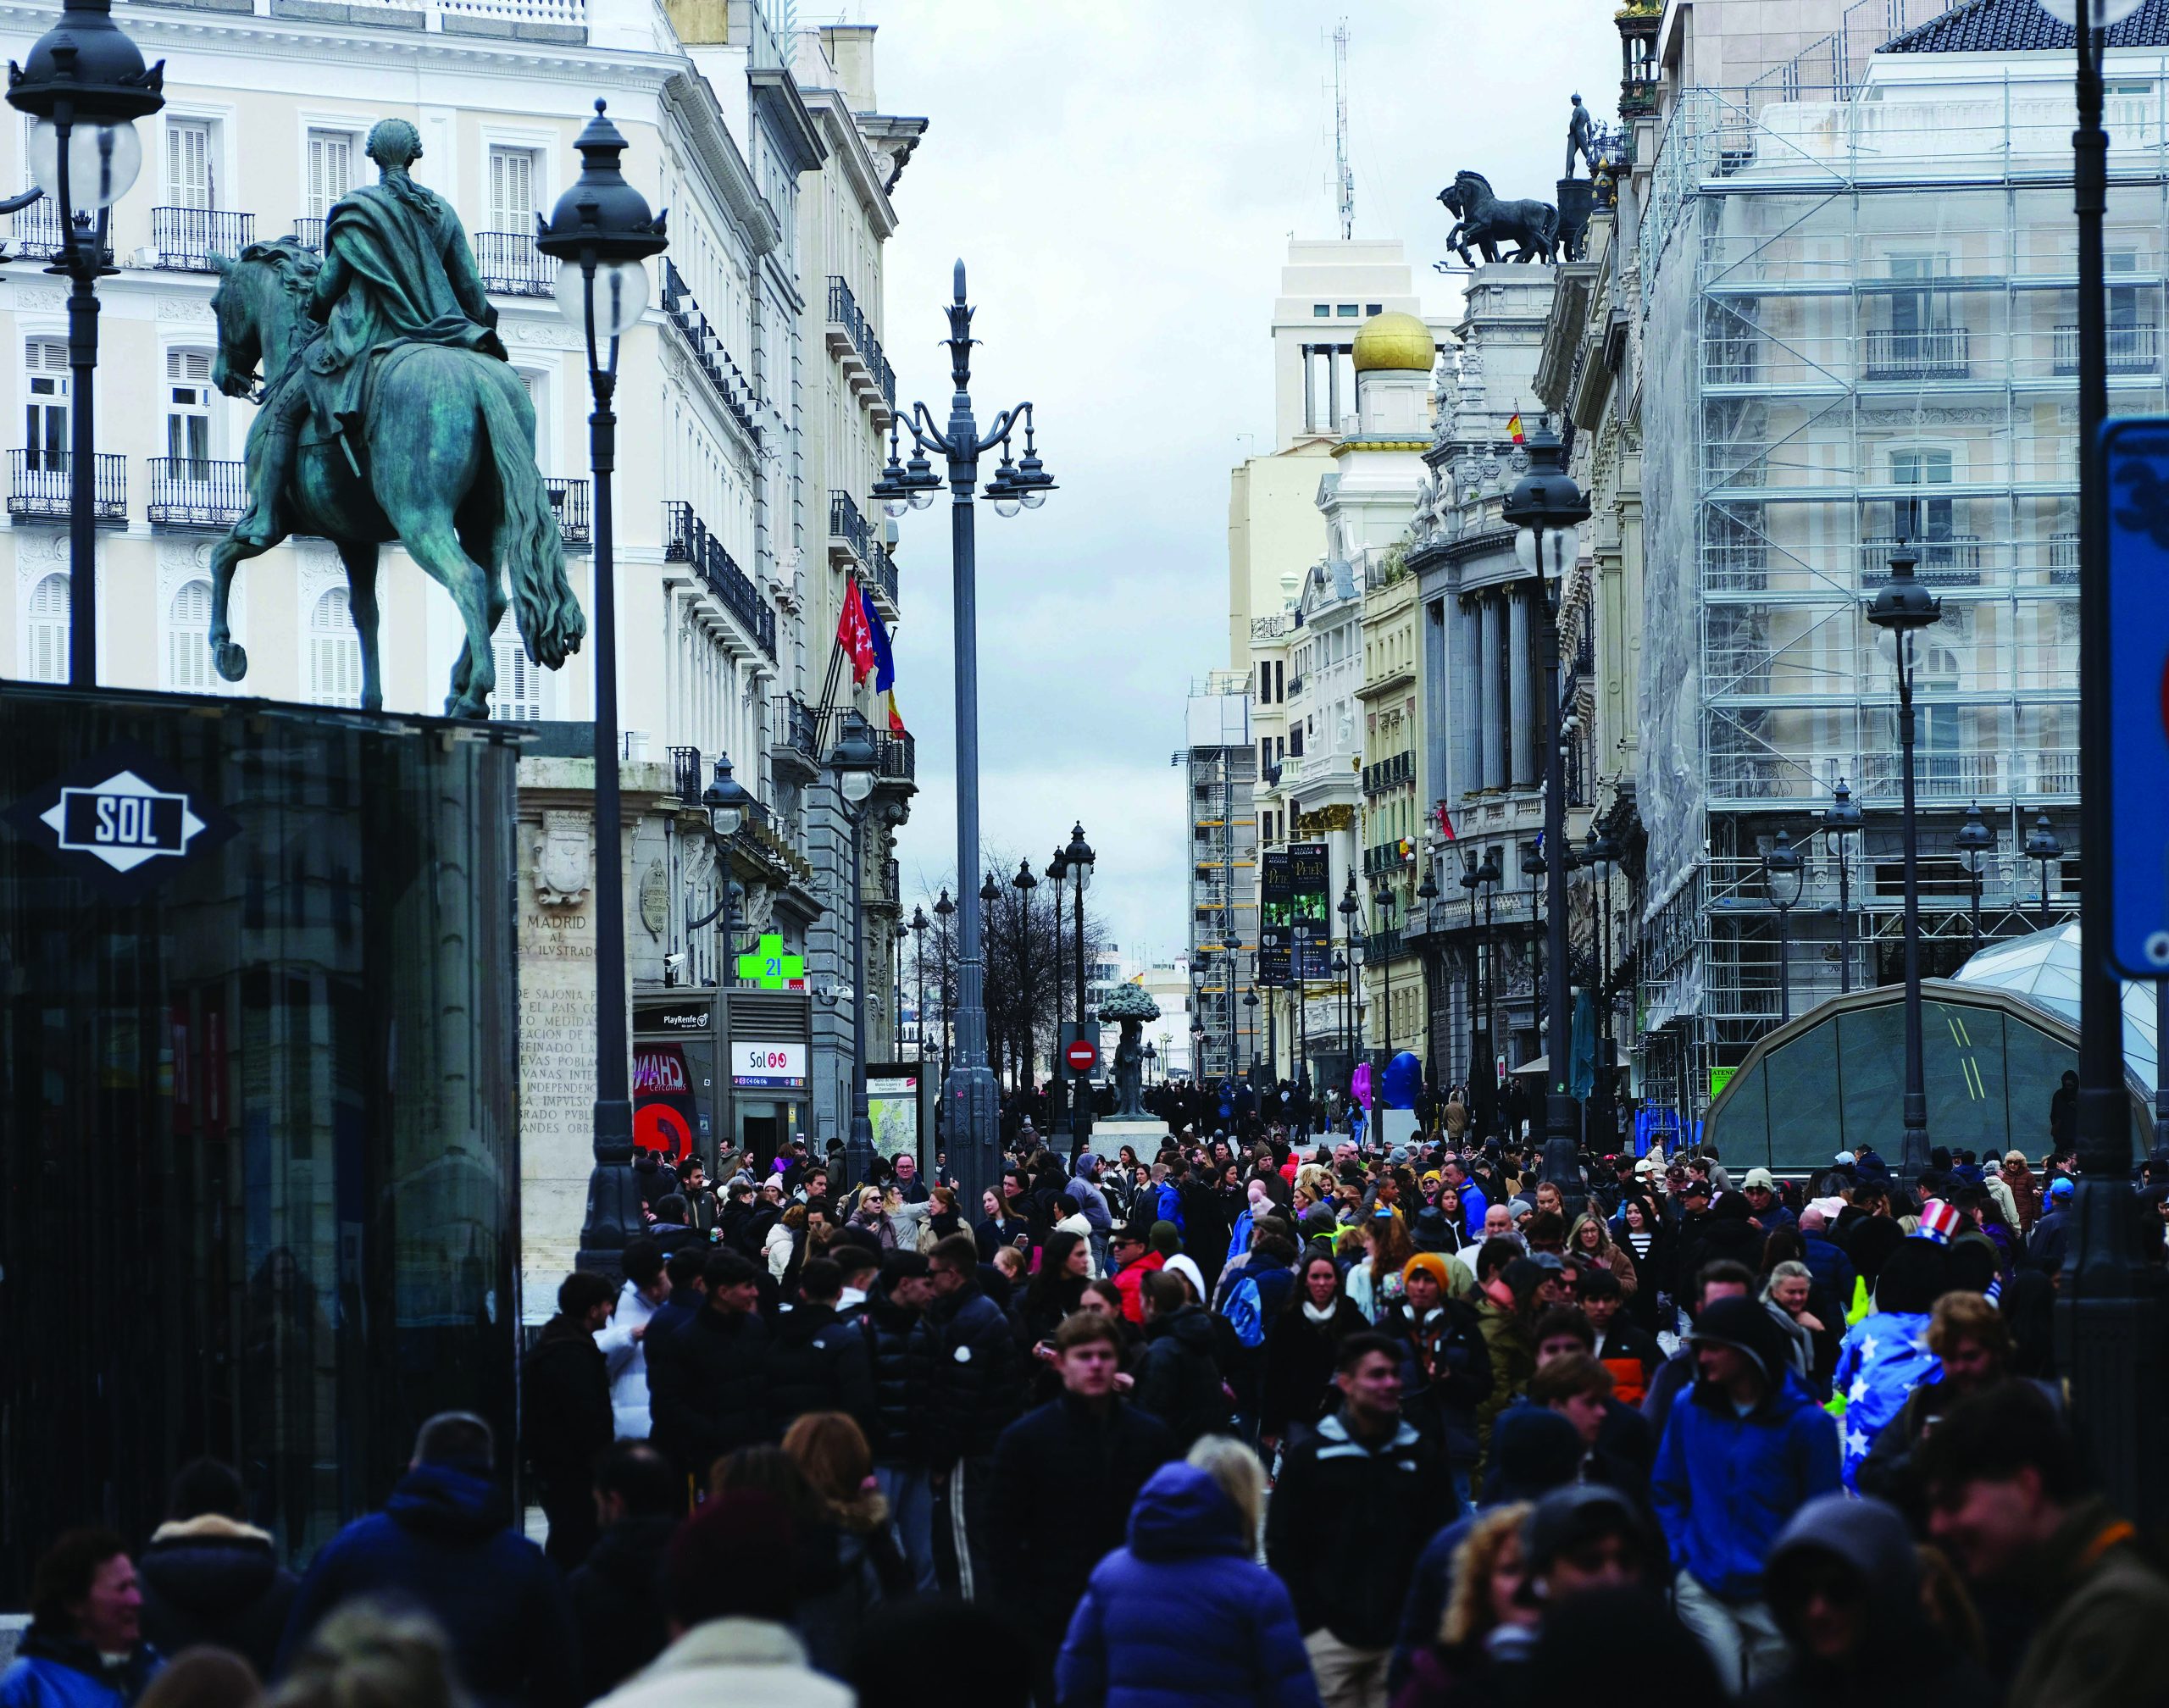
<point>1741,1453</point>
<point>2051,1233</point>
<point>1506,1311</point>
<point>1586,1536</point>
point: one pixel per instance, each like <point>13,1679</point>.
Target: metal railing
<point>1936,776</point>
<point>2063,560</point>
<point>685,774</point>
<point>309,233</point>
<point>34,231</point>
<point>568,498</point>
<point>844,312</point>
<point>899,758</point>
<point>37,485</point>
<point>186,238</point>
<point>1930,352</point>
<point>686,539</point>
<point>795,727</point>
<point>1952,561</point>
<point>197,492</point>
<point>1392,773</point>
<point>724,378</point>
<point>2132,350</point>
<point>881,571</point>
<point>846,524</point>
<point>509,263</point>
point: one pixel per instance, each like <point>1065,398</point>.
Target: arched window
<point>188,638</point>
<point>517,696</point>
<point>45,631</point>
<point>335,652</point>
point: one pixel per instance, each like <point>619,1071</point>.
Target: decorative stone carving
<point>562,859</point>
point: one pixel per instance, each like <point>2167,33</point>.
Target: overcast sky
<point>1122,179</point>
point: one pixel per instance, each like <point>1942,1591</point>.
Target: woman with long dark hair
<point>1302,1343</point>
<point>1058,1288</point>
<point>1645,1239</point>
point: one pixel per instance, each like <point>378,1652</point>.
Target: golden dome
<point>1396,341</point>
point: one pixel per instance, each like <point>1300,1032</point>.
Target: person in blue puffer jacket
<point>1184,1617</point>
<point>85,1647</point>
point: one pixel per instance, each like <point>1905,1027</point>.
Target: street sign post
<point>2135,455</point>
<point>1080,1055</point>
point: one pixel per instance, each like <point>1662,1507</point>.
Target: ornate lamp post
<point>1975,840</point>
<point>1901,607</point>
<point>1249,1022</point>
<point>989,894</point>
<point>1383,903</point>
<point>1058,1083</point>
<point>1546,509</point>
<point>1427,892</point>
<point>1603,854</point>
<point>84,85</point>
<point>1080,859</point>
<point>1347,1016</point>
<point>1842,818</point>
<point>918,926</point>
<point>1483,1072</point>
<point>2042,846</point>
<point>970,1095</point>
<point>853,763</point>
<point>600,234</point>
<point>1348,908</point>
<point>1783,880</point>
<point>1024,884</point>
<point>1151,1059</point>
<point>727,804</point>
<point>945,910</point>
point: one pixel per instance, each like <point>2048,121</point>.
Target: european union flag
<point>1885,1356</point>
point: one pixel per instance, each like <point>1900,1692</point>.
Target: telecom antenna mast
<point>1344,179</point>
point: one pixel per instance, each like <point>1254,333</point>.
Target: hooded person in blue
<point>1738,1460</point>
<point>444,1543</point>
<point>1184,1617</point>
<point>1886,1354</point>
<point>85,1647</point>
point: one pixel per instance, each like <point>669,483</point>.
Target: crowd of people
<point>1258,1419</point>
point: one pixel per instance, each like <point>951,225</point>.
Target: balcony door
<point>331,155</point>
<point>192,178</point>
<point>44,405</point>
<point>188,414</point>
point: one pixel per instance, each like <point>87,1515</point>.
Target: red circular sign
<point>1080,1054</point>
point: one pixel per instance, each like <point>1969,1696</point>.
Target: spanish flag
<point>1514,428</point>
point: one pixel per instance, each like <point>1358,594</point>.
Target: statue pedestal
<point>1145,1137</point>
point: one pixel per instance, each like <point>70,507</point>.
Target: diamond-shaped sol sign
<point>769,967</point>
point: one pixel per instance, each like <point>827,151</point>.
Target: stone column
<point>1496,712</point>
<point>1464,663</point>
<point>1521,690</point>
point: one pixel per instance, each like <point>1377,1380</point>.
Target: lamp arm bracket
<point>928,436</point>
<point>15,203</point>
<point>1005,424</point>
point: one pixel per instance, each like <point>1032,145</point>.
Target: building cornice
<point>1347,446</point>
<point>776,93</point>
<point>687,95</point>
<point>847,146</point>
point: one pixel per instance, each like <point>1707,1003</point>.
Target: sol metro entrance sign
<point>121,820</point>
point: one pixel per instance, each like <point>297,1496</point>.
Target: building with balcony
<point>1865,268</point>
<point>1219,777</point>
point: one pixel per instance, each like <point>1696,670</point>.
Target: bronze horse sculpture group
<point>1484,222</point>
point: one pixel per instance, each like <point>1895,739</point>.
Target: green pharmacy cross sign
<point>769,967</point>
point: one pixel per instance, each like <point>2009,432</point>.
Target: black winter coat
<point>212,1580</point>
<point>1445,1373</point>
<point>977,1385</point>
<point>618,1606</point>
<point>900,1349</point>
<point>566,1417</point>
<point>1179,1379</point>
<point>1091,1463</point>
<point>818,1362</point>
<point>1299,1359</point>
<point>707,1395</point>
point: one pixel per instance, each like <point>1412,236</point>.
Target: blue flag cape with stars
<point>1884,1358</point>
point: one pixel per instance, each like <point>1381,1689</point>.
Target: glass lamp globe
<point>895,507</point>
<point>620,296</point>
<point>858,785</point>
<point>103,162</point>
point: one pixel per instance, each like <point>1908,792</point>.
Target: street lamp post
<point>1025,883</point>
<point>84,85</point>
<point>853,763</point>
<point>1901,607</point>
<point>1249,1022</point>
<point>1427,892</point>
<point>1842,818</point>
<point>971,1093</point>
<point>1546,509</point>
<point>1603,851</point>
<point>2042,846</point>
<point>1974,841</point>
<point>1348,908</point>
<point>1484,1072</point>
<point>918,926</point>
<point>1058,1083</point>
<point>1080,860</point>
<point>945,910</point>
<point>1383,901</point>
<point>600,234</point>
<point>1784,879</point>
<point>726,803</point>
<point>990,896</point>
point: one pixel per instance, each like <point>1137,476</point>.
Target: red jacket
<point>1131,1281</point>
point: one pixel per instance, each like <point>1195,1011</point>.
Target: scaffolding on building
<point>1878,281</point>
<point>1220,777</point>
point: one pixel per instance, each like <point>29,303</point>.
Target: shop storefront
<point>767,1049</point>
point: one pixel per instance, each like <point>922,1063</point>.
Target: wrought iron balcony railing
<point>724,379</point>
<point>38,486</point>
<point>2132,350</point>
<point>686,539</point>
<point>510,264</point>
<point>197,492</point>
<point>794,729</point>
<point>185,239</point>
<point>844,313</point>
<point>568,498</point>
<point>1926,352</point>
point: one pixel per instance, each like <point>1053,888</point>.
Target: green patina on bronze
<point>390,413</point>
<point>1132,1007</point>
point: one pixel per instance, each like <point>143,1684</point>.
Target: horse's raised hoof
<point>231,658</point>
<point>474,706</point>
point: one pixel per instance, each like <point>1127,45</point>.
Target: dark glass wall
<point>258,1126</point>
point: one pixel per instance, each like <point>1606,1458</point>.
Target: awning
<point>1538,1065</point>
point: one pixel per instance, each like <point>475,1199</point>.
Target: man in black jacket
<point>707,1392</point>
<point>977,1389</point>
<point>566,1417</point>
<point>1099,1451</point>
<point>817,1362</point>
<point>617,1595</point>
<point>1354,1506</point>
<point>211,1577</point>
<point>1178,1379</point>
<point>899,1342</point>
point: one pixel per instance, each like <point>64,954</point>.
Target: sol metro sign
<point>122,821</point>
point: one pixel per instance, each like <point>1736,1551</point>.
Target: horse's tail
<point>530,544</point>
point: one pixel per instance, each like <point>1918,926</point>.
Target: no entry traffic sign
<point>1081,1054</point>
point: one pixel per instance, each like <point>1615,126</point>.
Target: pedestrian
<point>1739,1455</point>
<point>373,1652</point>
<point>646,1267</point>
<point>730,1616</point>
<point>205,1677</point>
<point>1135,1259</point>
<point>2025,1188</point>
<point>210,1576</point>
<point>1489,1624</point>
<point>445,1543</point>
<point>1506,1315</point>
<point>976,1391</point>
<point>1721,1280</point>
<point>566,1416</point>
<point>1184,1611</point>
<point>85,1646</point>
<point>1809,1348</point>
<point>900,1347</point>
<point>709,1393</point>
<point>1106,1449</point>
<point>1650,1242</point>
<point>1354,1506</point>
<point>1058,1284</point>
<point>1445,1365</point>
<point>617,1613</point>
<point>1178,1379</point>
<point>1623,1346</point>
<point>817,1361</point>
<point>1302,1350</point>
<point>1843,1584</point>
<point>866,1565</point>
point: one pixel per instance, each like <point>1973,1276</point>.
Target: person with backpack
<point>1178,1377</point>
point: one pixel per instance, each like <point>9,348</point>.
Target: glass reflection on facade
<point>257,1127</point>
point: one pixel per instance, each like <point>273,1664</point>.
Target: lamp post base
<point>858,1144</point>
<point>972,1100</point>
<point>614,1216</point>
<point>1562,1120</point>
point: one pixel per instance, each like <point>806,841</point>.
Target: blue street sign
<point>2135,454</point>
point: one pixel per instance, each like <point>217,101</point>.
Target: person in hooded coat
<point>616,1594</point>
<point>1844,1582</point>
<point>1184,1615</point>
<point>209,1577</point>
<point>1176,1378</point>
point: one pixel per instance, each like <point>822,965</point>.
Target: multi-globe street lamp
<point>1783,877</point>
<point>1482,1073</point>
<point>2042,846</point>
<point>852,763</point>
<point>727,806</point>
<point>989,893</point>
<point>1382,903</point>
<point>84,85</point>
<point>1427,893</point>
<point>918,926</point>
<point>1602,853</point>
<point>601,235</point>
<point>1079,860</point>
<point>1058,1084</point>
<point>1975,841</point>
<point>971,1096</point>
<point>1842,818</point>
<point>945,910</point>
<point>1546,509</point>
<point>1901,608</point>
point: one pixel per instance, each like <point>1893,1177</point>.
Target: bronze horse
<point>1484,221</point>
